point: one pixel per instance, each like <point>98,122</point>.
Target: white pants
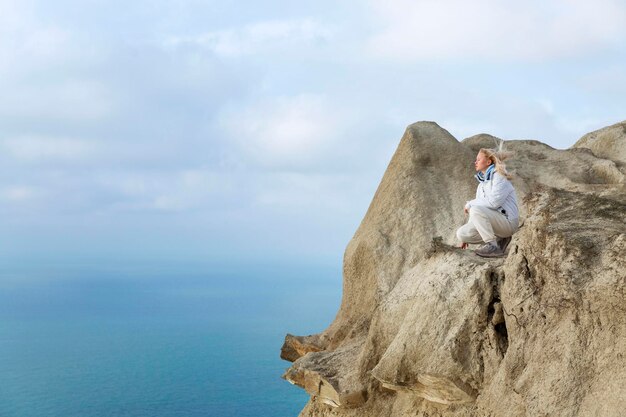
<point>486,225</point>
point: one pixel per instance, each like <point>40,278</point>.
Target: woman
<point>493,214</point>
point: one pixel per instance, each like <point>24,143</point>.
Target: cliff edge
<point>427,329</point>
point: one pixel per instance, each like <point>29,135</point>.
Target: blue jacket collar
<point>488,175</point>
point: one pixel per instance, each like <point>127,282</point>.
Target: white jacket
<point>496,193</point>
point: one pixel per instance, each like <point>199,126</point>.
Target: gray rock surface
<point>608,142</point>
<point>427,329</point>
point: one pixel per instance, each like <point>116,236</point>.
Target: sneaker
<point>489,250</point>
<point>503,243</point>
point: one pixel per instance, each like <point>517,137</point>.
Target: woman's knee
<point>464,233</point>
<point>474,210</point>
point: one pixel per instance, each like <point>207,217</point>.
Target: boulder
<point>608,142</point>
<point>428,329</point>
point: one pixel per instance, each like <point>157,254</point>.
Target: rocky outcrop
<point>427,329</point>
<point>608,142</point>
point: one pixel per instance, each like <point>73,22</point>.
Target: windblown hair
<point>497,156</point>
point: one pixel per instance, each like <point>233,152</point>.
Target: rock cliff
<point>428,329</point>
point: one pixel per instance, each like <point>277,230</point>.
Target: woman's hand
<point>465,210</point>
<point>464,245</point>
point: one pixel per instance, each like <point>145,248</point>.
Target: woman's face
<point>482,162</point>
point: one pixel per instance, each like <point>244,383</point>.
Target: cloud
<point>257,38</point>
<point>68,100</point>
<point>285,132</point>
<point>17,193</point>
<point>289,191</point>
<point>34,149</point>
<point>168,191</point>
<point>42,71</point>
<point>281,127</point>
<point>495,29</point>
<point>24,39</point>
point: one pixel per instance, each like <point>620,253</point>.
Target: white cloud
<point>258,37</point>
<point>39,65</point>
<point>194,189</point>
<point>34,148</point>
<point>297,190</point>
<point>25,40</point>
<point>546,104</point>
<point>18,193</point>
<point>219,126</point>
<point>495,29</point>
<point>69,100</point>
<point>174,191</point>
<point>286,131</point>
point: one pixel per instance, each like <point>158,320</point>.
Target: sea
<point>156,341</point>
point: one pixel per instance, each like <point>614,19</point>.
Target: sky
<point>257,132</point>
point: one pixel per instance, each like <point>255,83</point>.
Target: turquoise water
<point>160,343</point>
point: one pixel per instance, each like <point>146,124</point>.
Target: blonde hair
<point>497,157</point>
